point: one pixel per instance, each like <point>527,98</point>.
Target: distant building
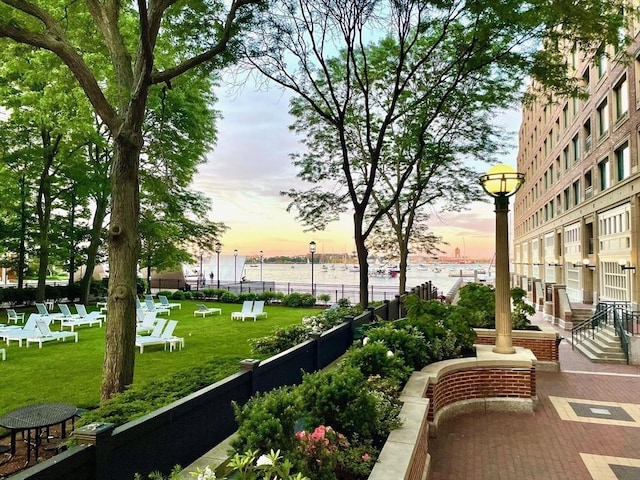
<point>577,216</point>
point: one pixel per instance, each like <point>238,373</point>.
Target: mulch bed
<point>47,449</point>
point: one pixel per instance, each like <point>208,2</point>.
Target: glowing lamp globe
<point>501,180</point>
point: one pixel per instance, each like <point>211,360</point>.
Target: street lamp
<point>235,266</point>
<point>501,182</point>
<point>312,250</point>
<point>201,276</point>
<point>261,257</point>
<point>218,249</point>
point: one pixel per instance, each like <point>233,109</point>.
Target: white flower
<point>206,474</point>
<point>389,353</point>
<point>264,460</point>
<point>365,340</point>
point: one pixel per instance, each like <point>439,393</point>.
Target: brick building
<point>577,217</point>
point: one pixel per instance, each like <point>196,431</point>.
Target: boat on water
<point>466,272</point>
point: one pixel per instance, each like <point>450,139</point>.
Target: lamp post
<point>235,266</point>
<point>312,250</point>
<point>501,182</point>
<point>261,257</point>
<point>201,276</point>
<point>218,249</point>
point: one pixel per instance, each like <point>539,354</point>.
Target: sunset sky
<point>250,165</point>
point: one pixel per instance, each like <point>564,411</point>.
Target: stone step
<point>603,348</point>
<point>596,356</point>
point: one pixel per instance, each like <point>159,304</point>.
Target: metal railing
<point>616,314</point>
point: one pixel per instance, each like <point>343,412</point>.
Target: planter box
<point>543,343</point>
<point>489,381</point>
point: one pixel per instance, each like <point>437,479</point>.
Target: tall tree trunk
<point>44,209</point>
<point>363,257</point>
<point>23,231</point>
<point>94,244</point>
<point>71,235</point>
<point>124,251</point>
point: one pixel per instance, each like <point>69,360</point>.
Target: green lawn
<point>71,372</point>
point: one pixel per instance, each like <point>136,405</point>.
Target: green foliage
<point>521,309</point>
<point>445,327</point>
<point>281,339</point>
<point>296,299</point>
<point>408,343</point>
<point>229,297</point>
<point>177,295</point>
<point>375,359</point>
<point>141,399</point>
<point>324,297</point>
<point>479,302</point>
<point>341,397</point>
<point>268,420</point>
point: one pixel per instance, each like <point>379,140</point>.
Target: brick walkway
<point>586,427</point>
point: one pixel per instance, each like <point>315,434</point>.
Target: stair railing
<point>588,328</point>
<point>624,323</point>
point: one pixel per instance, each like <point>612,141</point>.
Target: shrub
<point>267,421</point>
<point>324,297</point>
<point>269,296</point>
<point>341,397</point>
<point>445,327</point>
<point>521,309</point>
<point>479,303</point>
<point>408,343</point>
<point>281,339</point>
<point>228,297</point>
<point>296,299</point>
<point>177,295</point>
<point>375,359</point>
<point>247,296</point>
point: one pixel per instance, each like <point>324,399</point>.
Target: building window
<point>587,136</point>
<point>565,157</point>
<point>621,95</point>
<point>567,198</point>
<point>602,65</point>
<point>623,162</point>
<point>603,118</point>
<point>575,143</point>
<point>585,81</point>
<point>588,185</point>
<point>604,173</point>
<point>565,115</point>
<point>576,192</point>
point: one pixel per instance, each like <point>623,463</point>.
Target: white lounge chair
<point>164,302</point>
<point>46,335</point>
<point>12,315</point>
<point>156,335</point>
<point>82,312</point>
<point>93,318</point>
<point>258,309</point>
<point>151,307</point>
<point>146,322</point>
<point>204,310</point>
<point>169,338</point>
<point>3,353</point>
<point>247,306</point>
<point>19,334</point>
<point>65,313</point>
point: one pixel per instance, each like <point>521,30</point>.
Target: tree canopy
<point>359,68</point>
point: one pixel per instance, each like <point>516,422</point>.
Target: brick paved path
<point>543,446</point>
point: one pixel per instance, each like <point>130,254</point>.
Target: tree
<point>129,35</point>
<point>358,67</point>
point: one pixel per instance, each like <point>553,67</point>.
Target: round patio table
<point>36,417</point>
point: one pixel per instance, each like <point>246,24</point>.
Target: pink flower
<point>366,457</point>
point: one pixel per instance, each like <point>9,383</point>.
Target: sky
<point>250,166</point>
